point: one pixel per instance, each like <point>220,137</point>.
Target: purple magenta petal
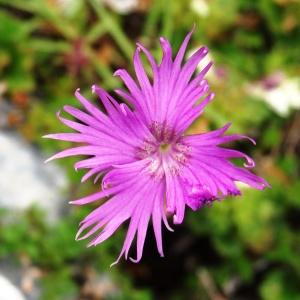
<point>150,170</point>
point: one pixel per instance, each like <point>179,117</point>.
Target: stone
<point>8,290</point>
<point>25,180</point>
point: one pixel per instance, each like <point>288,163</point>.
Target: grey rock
<point>8,290</point>
<point>25,180</point>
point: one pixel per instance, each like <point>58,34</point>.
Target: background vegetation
<point>242,248</point>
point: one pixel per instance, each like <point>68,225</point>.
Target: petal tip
<point>118,72</point>
<point>134,260</point>
<point>205,49</point>
<point>77,91</point>
<point>138,44</point>
<point>49,159</point>
<point>96,89</point>
<point>113,264</point>
<point>177,220</point>
<point>58,114</point>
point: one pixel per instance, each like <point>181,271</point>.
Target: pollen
<point>164,147</point>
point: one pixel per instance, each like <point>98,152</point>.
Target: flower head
<point>150,167</point>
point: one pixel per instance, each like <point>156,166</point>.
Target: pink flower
<point>150,166</point>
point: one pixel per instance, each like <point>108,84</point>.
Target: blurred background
<point>242,248</point>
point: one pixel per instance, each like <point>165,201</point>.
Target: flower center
<point>164,147</point>
<point>165,152</point>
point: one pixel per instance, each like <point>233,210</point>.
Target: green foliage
<point>15,58</point>
<point>46,52</point>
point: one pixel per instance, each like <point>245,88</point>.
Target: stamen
<point>162,132</point>
<point>164,150</point>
